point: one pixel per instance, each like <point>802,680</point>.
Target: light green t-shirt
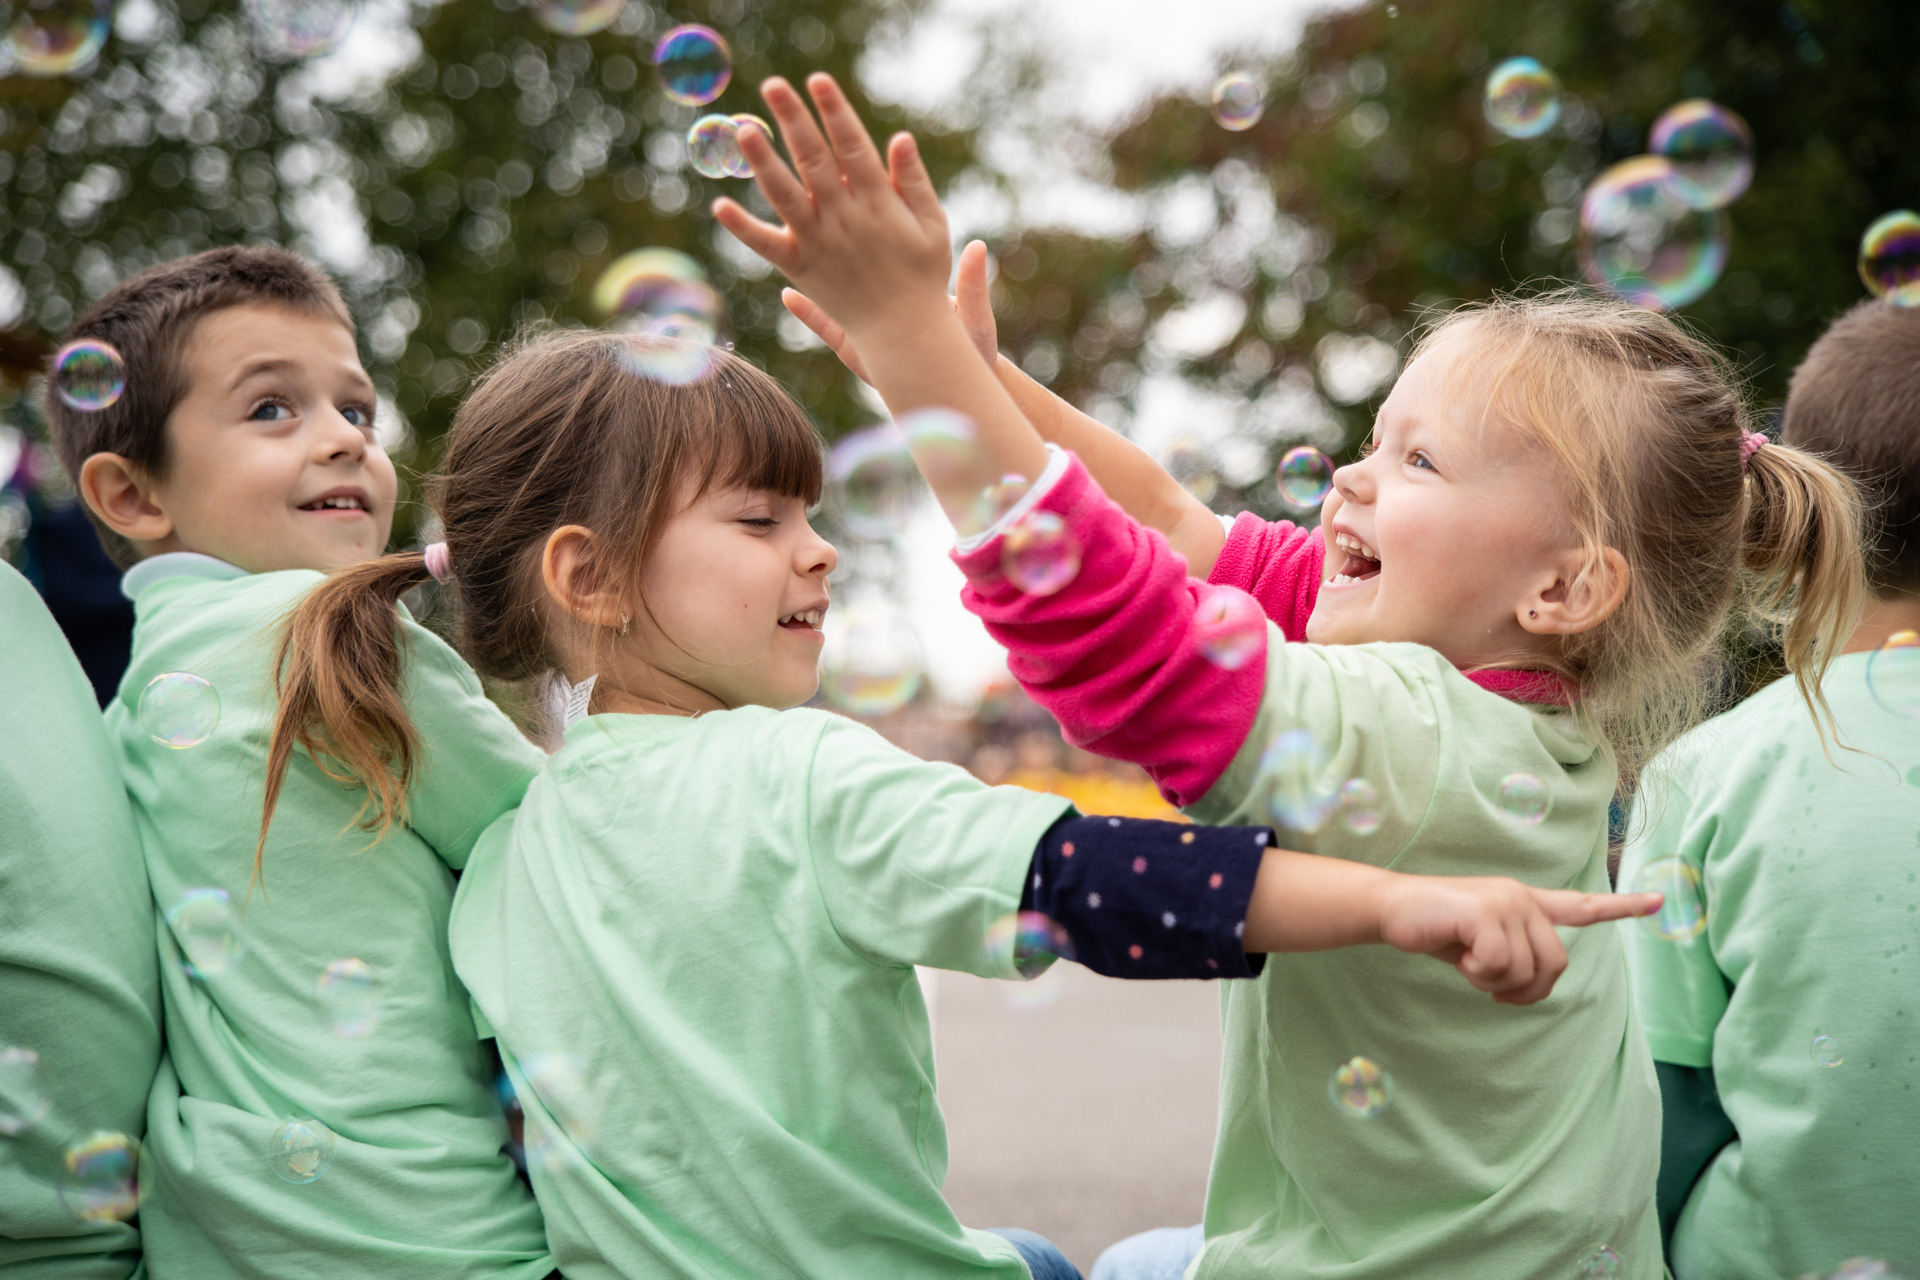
<point>417,1185</point>
<point>695,942</point>
<point>1811,872</point>
<point>77,982</point>
<point>1516,1141</point>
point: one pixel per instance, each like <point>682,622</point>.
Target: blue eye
<point>357,416</point>
<point>1421,460</point>
<point>270,411</point>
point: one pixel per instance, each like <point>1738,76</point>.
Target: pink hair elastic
<point>1750,442</point>
<point>439,561</point>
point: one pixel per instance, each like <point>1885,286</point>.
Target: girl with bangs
<point>694,940</point>
<point>1514,600</point>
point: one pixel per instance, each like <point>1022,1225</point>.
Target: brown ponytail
<point>338,678</point>
<point>1804,544</point>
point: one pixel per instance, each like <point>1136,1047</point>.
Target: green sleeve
<point>916,861</point>
<point>474,765</point>
<point>1678,988</point>
<point>1694,1128</point>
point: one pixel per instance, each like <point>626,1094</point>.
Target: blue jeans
<point>1164,1253</point>
<point>1042,1256</point>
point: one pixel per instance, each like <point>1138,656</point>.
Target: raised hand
<point>971,302</point>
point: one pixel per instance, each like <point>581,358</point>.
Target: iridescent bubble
<point>669,315</point>
<point>301,1150</point>
<point>1600,1261</point>
<point>23,1103</point>
<point>290,29</point>
<point>1711,149</point>
<point>1194,466</point>
<point>993,503</point>
<point>89,375</point>
<point>1229,628</point>
<point>1871,1269</point>
<point>350,996</point>
<point>1826,1052</point>
<point>1523,799</point>
<point>577,17</point>
<point>1684,913</point>
<point>674,350</point>
<point>1039,554</point>
<point>1360,809</point>
<point>872,482</point>
<point>1360,1088</point>
<point>1523,98</point>
<point>565,1091</point>
<point>872,661</point>
<point>1038,993</point>
<point>1238,101</point>
<point>1890,258</point>
<point>1027,940</point>
<point>1293,782</point>
<point>743,167</point>
<point>713,149</point>
<point>100,1177</point>
<point>945,446</point>
<point>695,64</point>
<point>1893,674</point>
<point>57,37</point>
<point>1304,478</point>
<point>207,929</point>
<point>1640,239</point>
<point>179,709</point>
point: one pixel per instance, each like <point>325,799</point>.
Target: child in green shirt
<point>324,1106</point>
<point>79,1001</point>
<point>1778,993</point>
<point>1518,585</point>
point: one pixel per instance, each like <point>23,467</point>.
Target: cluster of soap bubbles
<point>1683,914</point>
<point>1826,1051</point>
<point>1302,796</point>
<point>667,315</point>
<point>300,1150</point>
<point>1522,98</point>
<point>713,145</point>
<point>1361,1088</point>
<point>101,1177</point>
<point>1890,258</point>
<point>89,375</point>
<point>1238,101</point>
<point>207,930</point>
<point>179,709</point>
<point>1893,674</point>
<point>349,992</point>
<point>55,37</point>
<point>1652,228</point>
<point>294,29</point>
<point>1029,941</point>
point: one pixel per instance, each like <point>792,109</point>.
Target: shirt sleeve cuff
<point>1057,460</point>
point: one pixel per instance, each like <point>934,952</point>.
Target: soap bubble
<point>1711,149</point>
<point>57,37</point>
<point>1360,1088</point>
<point>1039,554</point>
<point>1523,799</point>
<point>669,315</point>
<point>872,482</point>
<point>289,29</point>
<point>713,147</point>
<point>1229,627</point>
<point>566,1093</point>
<point>179,709</point>
<point>1684,912</point>
<point>350,995</point>
<point>1826,1051</point>
<point>1238,101</point>
<point>872,662</point>
<point>1890,258</point>
<point>89,375</point>
<point>23,1103</point>
<point>1640,239</point>
<point>1870,1269</point>
<point>300,1150</point>
<point>1193,465</point>
<point>1600,1261</point>
<point>1893,674</point>
<point>1304,478</point>
<point>944,445</point>
<point>100,1177</point>
<point>207,929</point>
<point>993,503</point>
<point>694,63</point>
<point>1028,940</point>
<point>743,167</point>
<point>1293,781</point>
<point>1360,809</point>
<point>1042,992</point>
<point>577,17</point>
<point>1523,98</point>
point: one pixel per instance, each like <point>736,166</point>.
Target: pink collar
<point>1546,688</point>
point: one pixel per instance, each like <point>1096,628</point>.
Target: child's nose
<point>1353,482</point>
<point>340,438</point>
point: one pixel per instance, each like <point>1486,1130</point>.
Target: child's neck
<point>1880,619</point>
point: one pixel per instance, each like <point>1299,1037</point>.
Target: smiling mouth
<point>804,620</point>
<point>1361,562</point>
<point>339,502</point>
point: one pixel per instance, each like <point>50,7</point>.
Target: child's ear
<point>123,499</point>
<point>1584,596</point>
<point>571,570</point>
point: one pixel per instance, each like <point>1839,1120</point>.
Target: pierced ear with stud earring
<point>1531,613</point>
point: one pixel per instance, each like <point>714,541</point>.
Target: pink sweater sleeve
<point>1113,655</point>
<point>1279,564</point>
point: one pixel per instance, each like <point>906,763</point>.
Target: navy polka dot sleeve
<point>1146,899</point>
